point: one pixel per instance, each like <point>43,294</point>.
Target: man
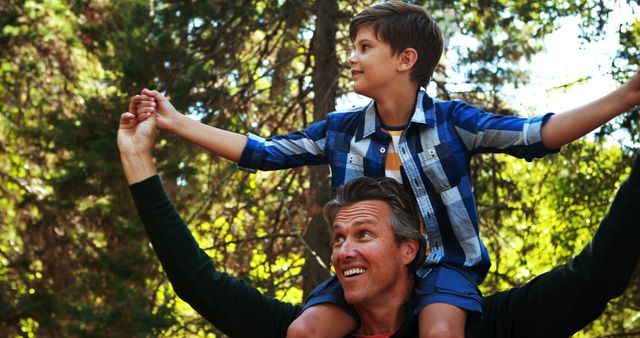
<point>555,304</point>
<point>377,246</point>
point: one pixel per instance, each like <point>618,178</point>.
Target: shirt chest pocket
<point>351,166</point>
<point>441,166</point>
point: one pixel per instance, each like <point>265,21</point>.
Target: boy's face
<point>373,65</point>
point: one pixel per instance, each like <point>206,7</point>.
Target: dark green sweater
<point>555,304</point>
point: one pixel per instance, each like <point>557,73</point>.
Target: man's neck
<point>386,314</point>
<point>396,107</point>
<point>383,319</point>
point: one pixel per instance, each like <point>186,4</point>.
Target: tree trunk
<point>325,75</point>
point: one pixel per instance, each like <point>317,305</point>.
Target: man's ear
<point>408,59</point>
<point>410,250</point>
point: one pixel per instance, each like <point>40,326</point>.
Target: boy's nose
<point>352,58</point>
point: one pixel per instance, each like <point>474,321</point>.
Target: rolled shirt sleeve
<point>292,150</point>
<point>484,132</point>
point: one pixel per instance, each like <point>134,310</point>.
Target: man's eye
<point>338,240</point>
<point>364,234</point>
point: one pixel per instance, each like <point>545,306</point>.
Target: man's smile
<point>353,272</point>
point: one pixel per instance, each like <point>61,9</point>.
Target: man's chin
<point>353,300</point>
<point>353,297</point>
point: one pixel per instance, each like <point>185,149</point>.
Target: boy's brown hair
<point>403,26</point>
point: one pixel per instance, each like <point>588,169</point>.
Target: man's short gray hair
<point>404,219</point>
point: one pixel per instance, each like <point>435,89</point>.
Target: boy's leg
<point>322,320</point>
<point>325,313</point>
<point>444,296</point>
<point>440,320</point>
<point>565,299</point>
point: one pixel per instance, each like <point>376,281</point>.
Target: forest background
<point>74,259</point>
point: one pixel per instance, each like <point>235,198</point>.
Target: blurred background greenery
<point>74,260</point>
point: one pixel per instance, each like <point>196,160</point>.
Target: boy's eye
<point>364,47</point>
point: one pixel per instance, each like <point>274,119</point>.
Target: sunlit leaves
<point>537,215</point>
<point>75,262</point>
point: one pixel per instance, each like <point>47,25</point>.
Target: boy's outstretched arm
<point>218,141</point>
<point>572,124</point>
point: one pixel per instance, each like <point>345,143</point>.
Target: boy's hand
<point>631,91</point>
<point>150,102</point>
<point>142,106</point>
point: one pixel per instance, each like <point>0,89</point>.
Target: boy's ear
<point>408,58</point>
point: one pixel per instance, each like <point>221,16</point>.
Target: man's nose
<point>346,250</point>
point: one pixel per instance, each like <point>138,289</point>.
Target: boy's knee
<point>322,320</point>
<point>301,328</point>
<point>442,330</point>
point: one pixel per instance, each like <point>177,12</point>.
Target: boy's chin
<point>362,92</point>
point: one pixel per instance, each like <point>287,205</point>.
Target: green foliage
<point>500,35</point>
<point>74,261</point>
<point>540,214</point>
<point>624,66</point>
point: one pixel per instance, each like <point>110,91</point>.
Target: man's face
<point>373,64</point>
<point>365,255</point>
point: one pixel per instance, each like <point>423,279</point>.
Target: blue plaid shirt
<point>435,150</point>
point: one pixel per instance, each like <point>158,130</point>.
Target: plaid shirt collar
<point>423,114</point>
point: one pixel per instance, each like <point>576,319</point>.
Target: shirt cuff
<point>533,138</point>
<point>253,154</point>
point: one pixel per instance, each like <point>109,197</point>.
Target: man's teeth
<point>353,272</point>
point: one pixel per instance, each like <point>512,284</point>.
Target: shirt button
<point>382,150</point>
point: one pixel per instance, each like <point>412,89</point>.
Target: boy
<point>424,143</point>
